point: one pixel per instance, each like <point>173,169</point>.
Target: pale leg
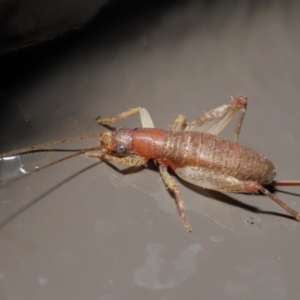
<point>172,185</point>
<point>217,119</point>
<point>283,205</point>
<point>223,183</point>
<point>180,123</point>
<point>144,115</point>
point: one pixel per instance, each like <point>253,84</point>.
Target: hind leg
<point>223,183</point>
<point>217,119</point>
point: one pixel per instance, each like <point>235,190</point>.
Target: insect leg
<point>172,185</point>
<point>127,160</point>
<point>223,183</point>
<point>179,123</point>
<point>209,179</point>
<point>217,119</point>
<point>286,183</point>
<point>144,115</point>
<point>287,208</point>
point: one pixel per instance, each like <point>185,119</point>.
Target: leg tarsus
<point>171,184</point>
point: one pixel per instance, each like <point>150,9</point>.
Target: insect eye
<point>121,149</point>
<point>119,128</point>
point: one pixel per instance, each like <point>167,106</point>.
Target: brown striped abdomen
<point>188,148</point>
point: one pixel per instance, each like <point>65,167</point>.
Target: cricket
<point>194,151</point>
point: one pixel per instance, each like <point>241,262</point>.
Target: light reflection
<point>23,171</point>
<point>11,168</point>
<point>8,158</point>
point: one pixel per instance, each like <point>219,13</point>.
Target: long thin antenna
<point>41,146</point>
<point>49,165</point>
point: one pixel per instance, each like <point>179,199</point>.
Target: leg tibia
<point>222,183</point>
<point>171,184</point>
<point>283,205</point>
<point>217,119</point>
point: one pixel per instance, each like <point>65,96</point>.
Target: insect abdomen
<point>220,155</point>
<point>187,148</point>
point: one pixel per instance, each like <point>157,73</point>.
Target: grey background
<point>83,230</point>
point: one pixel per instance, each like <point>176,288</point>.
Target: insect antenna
<point>48,165</point>
<point>49,144</point>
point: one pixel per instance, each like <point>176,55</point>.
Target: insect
<point>194,151</point>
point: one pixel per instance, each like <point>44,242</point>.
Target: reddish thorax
<point>149,142</point>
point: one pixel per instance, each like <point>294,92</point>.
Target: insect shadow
<point>27,206</point>
<point>214,195</point>
<point>221,197</point>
